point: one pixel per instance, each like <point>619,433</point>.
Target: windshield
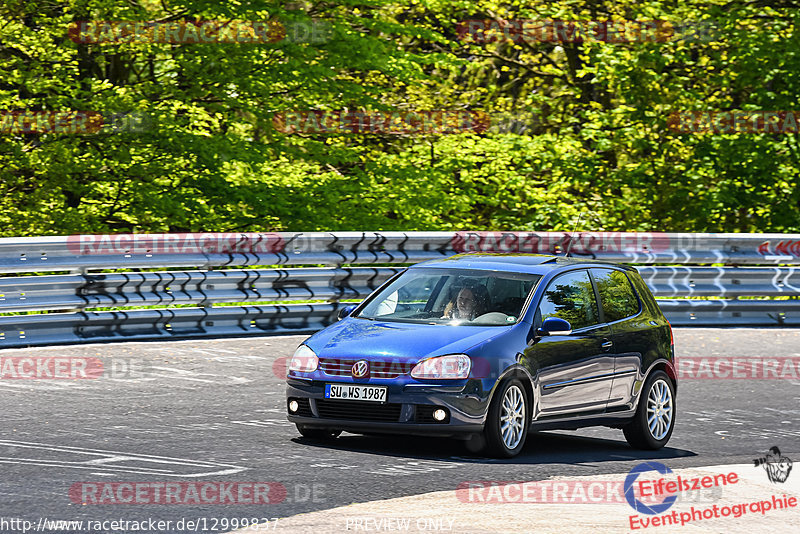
<point>452,296</point>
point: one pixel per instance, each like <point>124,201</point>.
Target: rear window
<point>617,296</point>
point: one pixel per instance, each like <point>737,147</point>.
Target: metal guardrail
<point>680,281</point>
<point>88,327</point>
<point>147,251</point>
<point>201,288</point>
<point>250,268</point>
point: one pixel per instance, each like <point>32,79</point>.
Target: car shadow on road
<point>540,448</point>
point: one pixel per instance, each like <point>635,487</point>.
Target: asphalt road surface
<point>213,410</point>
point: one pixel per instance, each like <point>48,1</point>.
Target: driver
<point>470,302</point>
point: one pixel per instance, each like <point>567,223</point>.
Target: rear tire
<point>317,433</point>
<point>654,421</point>
<point>508,420</point>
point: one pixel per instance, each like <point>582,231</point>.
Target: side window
<point>616,294</point>
<point>571,297</point>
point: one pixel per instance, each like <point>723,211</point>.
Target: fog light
<point>439,414</point>
<point>293,406</point>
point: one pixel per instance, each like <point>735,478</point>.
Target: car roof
<point>512,262</point>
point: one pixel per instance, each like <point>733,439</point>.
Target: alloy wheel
<point>512,417</point>
<point>659,409</point>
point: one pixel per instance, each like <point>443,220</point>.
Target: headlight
<point>304,360</point>
<point>450,366</point>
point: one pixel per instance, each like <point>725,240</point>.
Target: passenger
<point>471,302</point>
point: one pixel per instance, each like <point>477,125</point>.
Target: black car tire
<point>317,433</point>
<point>637,432</point>
<point>509,392</point>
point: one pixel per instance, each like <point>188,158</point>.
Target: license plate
<point>356,392</point>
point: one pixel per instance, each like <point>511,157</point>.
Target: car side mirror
<point>553,326</point>
<point>346,311</point>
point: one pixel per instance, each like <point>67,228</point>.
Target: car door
<point>630,330</point>
<point>574,370</point>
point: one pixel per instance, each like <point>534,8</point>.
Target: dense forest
<point>554,114</point>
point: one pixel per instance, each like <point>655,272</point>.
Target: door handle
<point>607,344</point>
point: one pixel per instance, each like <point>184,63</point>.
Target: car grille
<point>358,411</point>
<point>377,369</point>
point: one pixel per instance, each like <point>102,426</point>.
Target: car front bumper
<point>407,410</point>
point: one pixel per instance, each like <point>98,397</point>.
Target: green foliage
<point>576,126</point>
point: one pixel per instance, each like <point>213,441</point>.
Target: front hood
<point>362,338</point>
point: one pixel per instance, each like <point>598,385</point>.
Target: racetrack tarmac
<point>213,410</point>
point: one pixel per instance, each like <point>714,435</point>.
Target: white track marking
<point>99,460</point>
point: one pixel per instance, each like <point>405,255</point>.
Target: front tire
<point>508,420</point>
<point>317,433</point>
<point>654,421</point>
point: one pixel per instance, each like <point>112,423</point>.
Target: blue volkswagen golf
<point>484,348</point>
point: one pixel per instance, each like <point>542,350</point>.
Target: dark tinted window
<point>616,294</point>
<point>571,297</point>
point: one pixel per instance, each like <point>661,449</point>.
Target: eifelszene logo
<point>776,465</point>
<point>630,495</point>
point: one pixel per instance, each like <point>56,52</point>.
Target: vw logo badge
<point>360,369</point>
